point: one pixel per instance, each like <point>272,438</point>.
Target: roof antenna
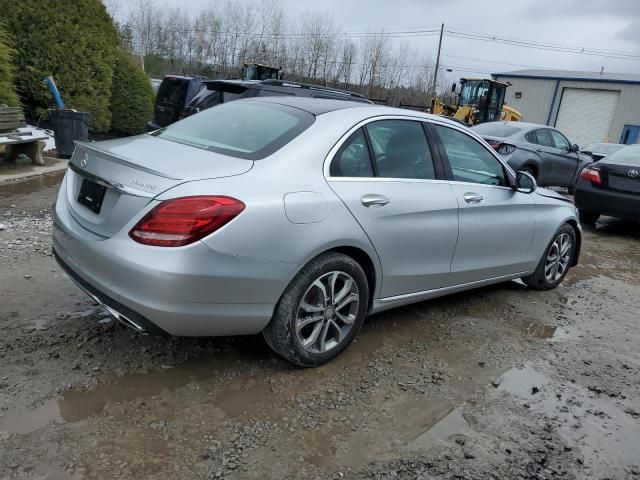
<point>601,70</point>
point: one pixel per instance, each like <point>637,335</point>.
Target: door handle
<point>473,198</point>
<point>372,200</point>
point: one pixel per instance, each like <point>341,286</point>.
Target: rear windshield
<point>245,129</point>
<point>496,129</point>
<point>602,148</point>
<point>172,91</point>
<point>629,156</point>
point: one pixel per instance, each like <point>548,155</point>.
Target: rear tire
<point>588,218</point>
<point>555,261</point>
<point>320,312</point>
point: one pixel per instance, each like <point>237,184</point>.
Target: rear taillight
<point>591,175</point>
<point>181,221</point>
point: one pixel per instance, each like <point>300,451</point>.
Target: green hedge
<point>73,40</point>
<point>131,97</point>
<point>7,72</point>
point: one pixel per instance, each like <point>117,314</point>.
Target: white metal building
<point>587,107</point>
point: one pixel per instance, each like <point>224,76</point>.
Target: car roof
<point>320,106</point>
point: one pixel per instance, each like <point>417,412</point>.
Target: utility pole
<point>435,73</point>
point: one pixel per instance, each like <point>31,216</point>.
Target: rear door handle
<point>473,198</point>
<point>372,200</point>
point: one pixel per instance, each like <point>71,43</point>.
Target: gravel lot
<point>500,382</point>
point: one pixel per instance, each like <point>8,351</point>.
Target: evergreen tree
<point>73,40</point>
<point>131,96</point>
<point>7,88</point>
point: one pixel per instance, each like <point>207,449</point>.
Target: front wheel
<point>555,261</point>
<point>320,312</point>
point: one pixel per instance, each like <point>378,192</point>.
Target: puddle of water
<point>451,424</point>
<point>31,185</point>
<point>541,330</point>
<point>520,382</point>
<point>242,397</point>
<point>28,421</point>
<point>597,425</point>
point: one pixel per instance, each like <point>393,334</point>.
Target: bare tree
<point>220,38</point>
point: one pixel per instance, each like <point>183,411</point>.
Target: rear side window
<point>243,129</point>
<point>400,149</point>
<point>353,159</point>
<point>172,91</point>
<point>470,161</point>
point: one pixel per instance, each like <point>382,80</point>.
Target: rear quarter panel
<point>293,175</point>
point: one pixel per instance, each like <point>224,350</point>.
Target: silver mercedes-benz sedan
<point>296,218</point>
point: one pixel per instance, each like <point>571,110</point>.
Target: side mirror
<point>453,87</point>
<point>575,148</point>
<point>525,182</point>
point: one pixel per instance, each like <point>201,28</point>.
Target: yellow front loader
<point>479,101</point>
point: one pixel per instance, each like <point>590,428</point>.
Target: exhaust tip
<point>124,319</point>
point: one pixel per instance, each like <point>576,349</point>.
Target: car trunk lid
<point>109,182</point>
<point>623,178</point>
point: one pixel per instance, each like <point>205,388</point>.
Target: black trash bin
<point>68,126</point>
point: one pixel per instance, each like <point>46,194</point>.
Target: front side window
<point>353,159</point>
<point>559,141</point>
<point>470,161</point>
<point>543,138</point>
<point>400,149</point>
<point>244,129</point>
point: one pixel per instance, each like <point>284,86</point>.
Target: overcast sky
<point>612,25</point>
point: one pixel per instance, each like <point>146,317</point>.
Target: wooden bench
<point>18,143</point>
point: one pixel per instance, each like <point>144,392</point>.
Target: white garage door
<point>585,116</point>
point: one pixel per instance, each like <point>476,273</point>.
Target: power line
<point>544,46</point>
<point>555,44</point>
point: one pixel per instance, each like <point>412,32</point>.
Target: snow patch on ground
<point>50,142</point>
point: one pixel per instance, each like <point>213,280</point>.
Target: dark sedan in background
<point>597,151</point>
<point>610,187</point>
<point>542,151</point>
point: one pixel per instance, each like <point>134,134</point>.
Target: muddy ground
<point>501,382</point>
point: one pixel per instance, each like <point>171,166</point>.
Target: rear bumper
<point>606,202</point>
<point>183,291</point>
<point>122,313</point>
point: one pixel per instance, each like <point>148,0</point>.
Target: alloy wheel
<point>558,258</point>
<point>327,312</point>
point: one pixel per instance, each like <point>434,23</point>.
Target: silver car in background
<point>297,218</point>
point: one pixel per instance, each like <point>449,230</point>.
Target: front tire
<point>320,311</point>
<point>555,261</point>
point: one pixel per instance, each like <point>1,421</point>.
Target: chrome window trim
<point>334,150</point>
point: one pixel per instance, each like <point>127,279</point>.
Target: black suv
<point>215,92</point>
<point>174,93</point>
